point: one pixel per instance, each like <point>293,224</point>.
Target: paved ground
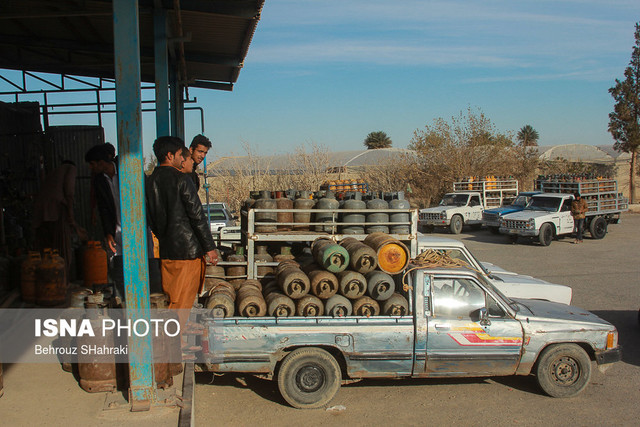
<point>605,276</point>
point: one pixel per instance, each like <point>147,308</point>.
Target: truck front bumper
<point>519,232</point>
<point>604,357</point>
<point>435,222</point>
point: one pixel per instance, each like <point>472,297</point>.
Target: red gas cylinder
<point>94,264</point>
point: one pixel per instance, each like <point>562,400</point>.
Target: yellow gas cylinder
<point>94,264</point>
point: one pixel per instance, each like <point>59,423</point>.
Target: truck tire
<point>563,370</point>
<point>309,378</point>
<point>456,224</point>
<point>598,227</point>
<point>546,234</point>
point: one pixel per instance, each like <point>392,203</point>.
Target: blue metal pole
<point>132,207</point>
<point>163,120</point>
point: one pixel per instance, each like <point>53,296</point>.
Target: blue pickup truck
<point>458,325</point>
<point>491,217</point>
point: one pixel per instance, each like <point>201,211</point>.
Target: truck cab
<point>454,211</point>
<point>491,217</point>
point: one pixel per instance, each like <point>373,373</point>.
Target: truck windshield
<point>550,204</point>
<point>454,200</point>
<point>489,285</point>
<point>521,201</point>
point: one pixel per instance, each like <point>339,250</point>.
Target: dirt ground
<point>605,277</point>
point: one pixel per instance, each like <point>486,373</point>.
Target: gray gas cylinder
<point>376,203</point>
<point>399,203</point>
<point>327,202</point>
<point>354,218</point>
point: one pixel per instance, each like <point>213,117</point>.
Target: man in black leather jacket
<point>178,221</point>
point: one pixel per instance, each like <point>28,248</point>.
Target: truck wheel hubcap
<point>565,371</point>
<point>310,378</point>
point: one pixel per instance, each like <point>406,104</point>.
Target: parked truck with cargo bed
<point>457,324</point>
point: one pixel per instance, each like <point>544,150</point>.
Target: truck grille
<point>429,215</point>
<point>490,216</point>
<point>515,224</point>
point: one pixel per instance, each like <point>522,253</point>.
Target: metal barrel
<point>329,255</point>
<point>309,306</point>
<point>279,305</point>
<point>283,203</point>
<point>399,203</point>
<point>324,284</point>
<point>327,202</point>
<point>351,284</point>
<point>380,286</point>
<point>362,258</point>
<point>266,202</point>
<point>377,216</point>
<point>355,218</point>
<point>365,306</point>
<point>396,305</point>
<point>338,306</point>
<point>393,255</point>
<point>250,302</point>
<point>293,282</point>
<point>302,217</point>
<point>28,277</point>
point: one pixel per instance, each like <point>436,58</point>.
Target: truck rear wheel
<point>456,224</point>
<point>563,370</point>
<point>598,227</point>
<point>546,234</point>
<point>309,378</point>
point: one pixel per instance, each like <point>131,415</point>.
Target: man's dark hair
<point>576,195</point>
<point>200,140</point>
<point>111,150</point>
<point>165,145</point>
<point>185,152</point>
<point>97,153</point>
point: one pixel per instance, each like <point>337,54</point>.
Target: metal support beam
<point>177,105</point>
<point>163,120</point>
<point>134,224</point>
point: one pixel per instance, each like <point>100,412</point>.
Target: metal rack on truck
<point>494,192</point>
<point>601,195</point>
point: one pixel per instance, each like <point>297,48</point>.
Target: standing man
<point>178,221</point>
<point>199,148</point>
<point>578,209</point>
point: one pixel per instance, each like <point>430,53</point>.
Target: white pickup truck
<point>467,202</point>
<point>548,216</point>
<point>511,284</point>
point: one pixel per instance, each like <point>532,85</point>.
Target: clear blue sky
<point>332,71</point>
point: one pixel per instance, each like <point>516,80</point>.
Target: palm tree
<point>377,139</point>
<point>528,136</point>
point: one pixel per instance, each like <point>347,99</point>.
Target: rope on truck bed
<point>432,258</point>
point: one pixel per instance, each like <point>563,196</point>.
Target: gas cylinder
<point>380,286</point>
<point>28,277</point>
<point>377,217</point>
<point>365,306</point>
<point>77,298</point>
<point>221,299</point>
<point>362,258</point>
<point>250,302</point>
<point>284,214</point>
<point>212,275</point>
<point>161,301</point>
<point>324,284</point>
<point>285,254</point>
<point>338,306</point>
<point>271,286</point>
<point>97,371</point>
<point>309,306</point>
<point>94,264</point>
<point>393,255</point>
<point>329,255</point>
<point>292,281</point>
<point>399,203</point>
<point>351,284</point>
<point>161,345</point>
<point>269,218</point>
<point>260,257</point>
<point>279,305</point>
<point>252,282</point>
<point>302,218</point>
<point>327,202</point>
<point>51,283</point>
<point>354,218</point>
<point>396,305</point>
<point>236,272</point>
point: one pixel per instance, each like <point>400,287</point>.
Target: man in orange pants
<point>178,221</point>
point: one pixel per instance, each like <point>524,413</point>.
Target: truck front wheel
<point>598,227</point>
<point>456,224</point>
<point>563,370</point>
<point>309,378</point>
<point>546,234</point>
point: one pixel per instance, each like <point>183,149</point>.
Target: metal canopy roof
<point>76,37</point>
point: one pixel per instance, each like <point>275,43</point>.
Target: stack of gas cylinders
<point>348,278</point>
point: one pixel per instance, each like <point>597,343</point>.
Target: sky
<point>330,72</point>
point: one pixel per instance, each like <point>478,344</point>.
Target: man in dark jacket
<point>178,221</point>
<point>578,209</point>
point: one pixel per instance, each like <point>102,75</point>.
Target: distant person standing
<point>578,210</point>
<point>199,148</point>
<point>178,221</point>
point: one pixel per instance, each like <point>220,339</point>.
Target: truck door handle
<point>442,326</point>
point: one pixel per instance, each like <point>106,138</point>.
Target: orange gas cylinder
<point>393,255</point>
<point>28,277</point>
<point>51,280</point>
<point>94,264</point>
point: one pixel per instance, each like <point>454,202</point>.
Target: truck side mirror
<point>483,316</point>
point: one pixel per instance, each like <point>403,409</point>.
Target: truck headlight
<point>531,224</point>
<point>443,215</point>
